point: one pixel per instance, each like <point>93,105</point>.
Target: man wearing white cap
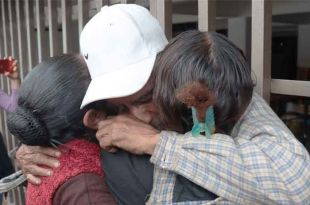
<point>121,75</point>
<point>120,45</point>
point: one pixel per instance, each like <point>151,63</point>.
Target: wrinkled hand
<point>127,133</point>
<point>31,160</point>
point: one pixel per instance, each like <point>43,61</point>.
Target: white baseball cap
<point>119,45</point>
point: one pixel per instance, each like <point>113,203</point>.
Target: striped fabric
<point>261,162</point>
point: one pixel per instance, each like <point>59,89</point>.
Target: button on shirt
<point>261,162</point>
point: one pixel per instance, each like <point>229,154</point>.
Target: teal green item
<point>207,127</point>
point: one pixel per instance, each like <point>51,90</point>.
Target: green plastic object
<point>207,127</point>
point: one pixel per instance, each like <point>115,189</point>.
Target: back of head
<point>49,101</point>
<point>209,59</point>
<point>120,44</point>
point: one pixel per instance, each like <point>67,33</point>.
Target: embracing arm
<point>262,169</point>
<point>245,171</point>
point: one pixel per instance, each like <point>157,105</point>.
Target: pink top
<point>7,102</point>
<point>78,156</point>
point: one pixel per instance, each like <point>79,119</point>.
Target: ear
<point>93,117</point>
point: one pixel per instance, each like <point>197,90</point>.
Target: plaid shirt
<point>261,162</point>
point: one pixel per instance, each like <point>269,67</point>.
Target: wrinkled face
<point>139,104</point>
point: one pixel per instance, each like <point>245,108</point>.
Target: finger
<point>100,134</point>
<point>38,171</point>
<point>105,122</point>
<point>45,160</point>
<point>105,128</point>
<point>10,58</point>
<point>14,63</point>
<point>111,149</point>
<point>6,73</point>
<point>105,143</point>
<point>32,179</point>
<point>103,132</point>
<point>49,151</point>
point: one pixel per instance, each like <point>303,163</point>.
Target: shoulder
<point>261,126</point>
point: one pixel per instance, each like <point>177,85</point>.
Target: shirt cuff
<point>164,154</point>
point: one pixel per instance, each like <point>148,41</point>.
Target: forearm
<point>227,169</point>
<point>8,102</point>
<point>201,162</point>
<point>15,83</point>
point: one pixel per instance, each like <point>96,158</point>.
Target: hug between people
<point>153,122</point>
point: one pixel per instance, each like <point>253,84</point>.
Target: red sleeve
<point>84,189</point>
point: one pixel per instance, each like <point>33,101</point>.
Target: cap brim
<point>121,83</point>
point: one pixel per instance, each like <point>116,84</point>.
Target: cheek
<point>142,113</point>
<point>151,108</point>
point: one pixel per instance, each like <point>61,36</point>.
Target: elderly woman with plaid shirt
<point>252,158</point>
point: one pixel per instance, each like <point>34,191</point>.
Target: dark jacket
<point>6,167</point>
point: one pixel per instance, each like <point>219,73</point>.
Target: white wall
<point>239,32</point>
<point>303,53</point>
